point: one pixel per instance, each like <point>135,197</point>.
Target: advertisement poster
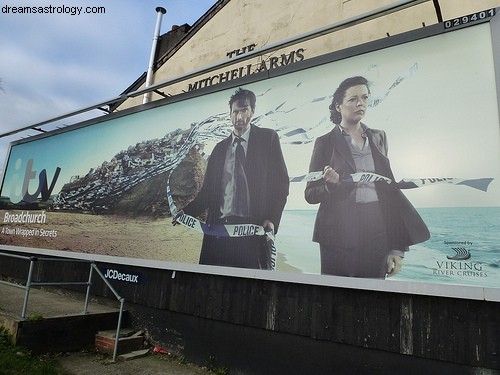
<point>102,188</point>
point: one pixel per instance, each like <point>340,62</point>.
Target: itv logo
<point>30,192</point>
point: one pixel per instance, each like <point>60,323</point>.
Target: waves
<point>464,247</point>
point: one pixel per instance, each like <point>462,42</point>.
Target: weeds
<point>15,360</point>
<point>214,369</point>
<point>36,317</point>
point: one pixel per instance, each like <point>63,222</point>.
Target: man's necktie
<point>241,194</point>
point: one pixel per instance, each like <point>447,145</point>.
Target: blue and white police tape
<point>231,230</point>
<point>171,204</point>
<point>406,183</point>
<point>223,230</point>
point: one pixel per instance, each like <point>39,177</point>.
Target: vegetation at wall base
<point>15,360</point>
<point>213,368</point>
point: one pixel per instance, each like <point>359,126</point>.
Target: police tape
<point>222,230</point>
<point>406,183</point>
<point>171,204</point>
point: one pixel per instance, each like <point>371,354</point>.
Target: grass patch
<point>15,360</point>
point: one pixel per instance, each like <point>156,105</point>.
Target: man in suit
<point>246,181</point>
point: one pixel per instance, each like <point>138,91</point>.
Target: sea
<point>464,247</point>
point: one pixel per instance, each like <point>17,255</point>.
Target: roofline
<point>209,14</point>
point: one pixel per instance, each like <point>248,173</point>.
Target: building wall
<point>456,8</point>
<point>240,23</point>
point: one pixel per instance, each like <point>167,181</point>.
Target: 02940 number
<point>478,16</point>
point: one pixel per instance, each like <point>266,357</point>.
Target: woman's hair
<point>339,94</point>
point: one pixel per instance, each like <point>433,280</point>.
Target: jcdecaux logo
<point>114,274</point>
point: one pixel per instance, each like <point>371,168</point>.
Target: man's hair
<point>243,97</point>
<point>339,94</point>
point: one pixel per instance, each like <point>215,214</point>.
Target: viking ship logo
<point>461,253</point>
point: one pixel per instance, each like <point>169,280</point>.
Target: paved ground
<point>152,364</point>
<point>44,303</point>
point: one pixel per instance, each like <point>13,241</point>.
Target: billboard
<point>110,187</point>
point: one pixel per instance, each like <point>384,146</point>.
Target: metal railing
<point>31,283</point>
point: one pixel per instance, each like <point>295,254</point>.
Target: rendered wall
<point>239,24</point>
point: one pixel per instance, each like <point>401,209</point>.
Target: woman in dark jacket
<point>363,229</point>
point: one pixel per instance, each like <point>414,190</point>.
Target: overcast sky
<point>53,64</point>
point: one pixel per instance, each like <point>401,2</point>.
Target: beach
<point>113,235</point>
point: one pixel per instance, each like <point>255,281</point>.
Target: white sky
<point>53,64</point>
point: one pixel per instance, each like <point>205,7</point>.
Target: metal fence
<point>32,283</point>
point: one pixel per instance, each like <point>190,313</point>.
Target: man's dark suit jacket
<point>404,225</point>
<point>267,177</point>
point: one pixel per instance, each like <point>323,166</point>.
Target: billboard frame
<point>443,290</point>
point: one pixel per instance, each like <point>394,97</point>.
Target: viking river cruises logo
<point>459,264</point>
<point>461,253</point>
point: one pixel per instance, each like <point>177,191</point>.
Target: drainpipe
<point>149,77</point>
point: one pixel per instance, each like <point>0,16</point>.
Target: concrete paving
<point>47,304</point>
<point>151,364</point>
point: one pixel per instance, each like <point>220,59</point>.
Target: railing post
<point>89,284</point>
<point>27,288</point>
<point>122,301</point>
<point>117,336</point>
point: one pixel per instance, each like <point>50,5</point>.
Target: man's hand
<point>268,226</point>
<point>394,264</point>
<point>174,219</point>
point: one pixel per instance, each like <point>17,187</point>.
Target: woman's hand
<point>394,264</point>
<point>329,175</point>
